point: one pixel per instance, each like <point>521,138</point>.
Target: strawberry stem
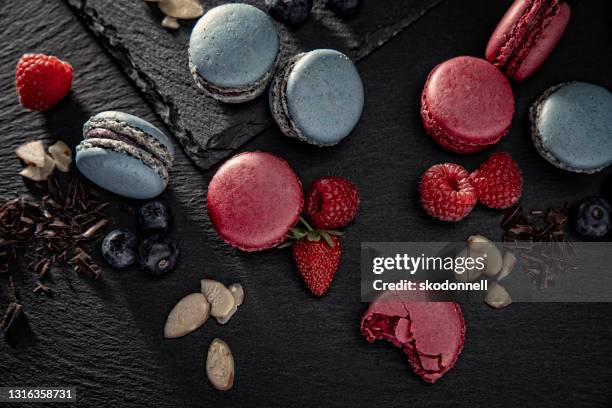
<point>306,224</point>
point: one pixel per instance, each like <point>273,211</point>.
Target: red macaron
<point>253,200</point>
<point>526,35</point>
<point>431,334</point>
<point>467,104</point>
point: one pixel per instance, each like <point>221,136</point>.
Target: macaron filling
<point>105,128</point>
<point>527,41</point>
<point>233,94</point>
<point>126,149</point>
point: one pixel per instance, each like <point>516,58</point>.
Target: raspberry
<point>446,193</point>
<point>42,81</point>
<point>498,181</point>
<point>331,202</point>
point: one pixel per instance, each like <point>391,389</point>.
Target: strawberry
<point>317,255</point>
<point>331,202</point>
<point>42,81</point>
<point>498,181</point>
<point>446,193</point>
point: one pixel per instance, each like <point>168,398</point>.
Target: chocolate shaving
<point>539,240</point>
<point>10,316</point>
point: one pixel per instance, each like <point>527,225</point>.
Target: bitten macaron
<point>317,97</point>
<point>125,154</point>
<point>526,35</point>
<point>233,51</point>
<point>253,200</point>
<point>571,126</point>
<point>467,104</point>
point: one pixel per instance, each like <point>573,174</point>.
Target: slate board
<point>156,60</point>
<point>291,349</point>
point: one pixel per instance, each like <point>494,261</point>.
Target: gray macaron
<point>233,52</point>
<point>317,97</point>
<point>125,155</point>
<point>571,126</point>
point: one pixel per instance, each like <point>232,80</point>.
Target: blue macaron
<point>125,155</point>
<point>571,126</point>
<point>317,97</point>
<point>233,52</point>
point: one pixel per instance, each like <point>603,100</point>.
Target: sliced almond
<point>508,264</point>
<point>187,315</point>
<point>62,154</point>
<point>171,23</point>
<point>223,304</point>
<point>183,9</point>
<point>482,246</point>
<point>497,296</point>
<point>39,173</point>
<point>32,153</point>
<point>220,365</point>
<point>238,293</point>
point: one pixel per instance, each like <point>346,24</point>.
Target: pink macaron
<point>467,104</point>
<point>253,200</point>
<point>431,334</point>
<point>526,35</point>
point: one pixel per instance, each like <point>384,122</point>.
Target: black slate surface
<point>157,62</point>
<point>292,349</point>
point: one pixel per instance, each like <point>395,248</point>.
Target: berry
<point>158,254</point>
<point>593,217</point>
<point>498,181</point>
<point>446,193</point>
<point>42,81</point>
<point>155,216</point>
<point>119,248</point>
<point>343,7</point>
<point>331,202</point>
<point>290,12</point>
<point>317,261</point>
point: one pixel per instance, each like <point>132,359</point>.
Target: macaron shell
<point>119,173</point>
<point>324,96</point>
<point>469,102</point>
<point>572,126</point>
<point>544,42</point>
<point>253,200</point>
<point>134,122</point>
<point>234,45</point>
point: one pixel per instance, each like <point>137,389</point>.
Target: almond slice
<point>32,153</point>
<point>171,23</point>
<point>183,9</point>
<point>497,296</point>
<point>190,313</point>
<point>39,173</point>
<point>220,365</point>
<point>479,245</point>
<point>62,154</point>
<point>223,304</point>
<point>238,293</point>
<point>508,264</point>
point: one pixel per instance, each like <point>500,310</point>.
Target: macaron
<point>526,35</point>
<point>571,126</point>
<point>317,97</point>
<point>467,104</point>
<point>431,334</point>
<point>253,200</point>
<point>125,154</point>
<point>233,51</point>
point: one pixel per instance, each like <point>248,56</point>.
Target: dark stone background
<point>290,348</point>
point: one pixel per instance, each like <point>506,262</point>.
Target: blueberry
<point>290,12</point>
<point>154,216</point>
<point>158,254</point>
<point>343,7</point>
<point>593,217</point>
<point>119,248</point>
